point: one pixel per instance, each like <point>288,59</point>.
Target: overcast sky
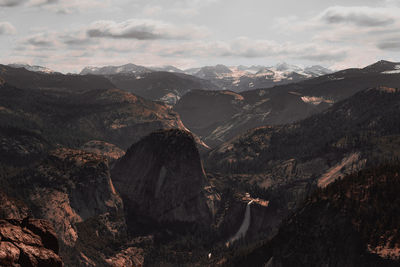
<point>67,35</point>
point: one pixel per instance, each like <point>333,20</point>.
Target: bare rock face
<point>28,242</point>
<point>110,151</point>
<point>72,189</point>
<point>11,208</point>
<point>131,256</point>
<point>74,186</point>
<point>161,178</point>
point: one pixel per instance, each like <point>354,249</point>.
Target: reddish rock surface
<point>28,242</point>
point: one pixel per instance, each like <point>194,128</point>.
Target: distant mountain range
<point>168,83</point>
<point>110,70</point>
<point>214,114</point>
<point>219,116</point>
<point>244,78</point>
<point>234,78</point>
<point>32,68</point>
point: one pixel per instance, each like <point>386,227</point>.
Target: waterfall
<point>244,227</point>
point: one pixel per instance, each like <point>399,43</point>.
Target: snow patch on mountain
<point>167,68</point>
<point>394,71</point>
<point>317,70</point>
<point>110,70</point>
<point>33,68</point>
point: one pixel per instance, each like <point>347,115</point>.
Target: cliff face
<point>161,177</point>
<point>110,151</point>
<point>72,189</point>
<point>11,208</point>
<point>28,242</point>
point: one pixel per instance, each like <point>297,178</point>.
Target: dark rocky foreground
<point>28,242</point>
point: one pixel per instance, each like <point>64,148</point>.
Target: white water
<point>244,227</point>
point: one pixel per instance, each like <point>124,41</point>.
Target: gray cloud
<point>342,35</point>
<point>359,16</point>
<point>45,2</point>
<point>74,39</point>
<point>11,3</point>
<point>71,6</point>
<point>7,28</point>
<point>391,45</point>
<point>247,48</point>
<point>324,56</point>
<point>140,34</point>
<point>41,40</point>
<point>142,30</point>
<point>58,6</point>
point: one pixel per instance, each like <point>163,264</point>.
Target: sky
<point>67,35</point>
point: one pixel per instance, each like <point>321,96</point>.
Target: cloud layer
<point>7,28</point>
<point>359,16</point>
<point>11,3</point>
<point>179,32</point>
<point>57,6</point>
<point>142,30</point>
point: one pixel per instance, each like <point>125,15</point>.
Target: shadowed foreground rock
<point>28,242</point>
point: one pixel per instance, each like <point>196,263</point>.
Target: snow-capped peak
<point>33,68</point>
<point>317,70</point>
<point>286,67</point>
<point>167,68</point>
<point>109,70</point>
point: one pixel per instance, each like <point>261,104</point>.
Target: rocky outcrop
<point>75,186</point>
<point>131,256</point>
<point>110,151</point>
<point>11,208</point>
<point>28,242</point>
<point>161,178</point>
<point>73,190</point>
